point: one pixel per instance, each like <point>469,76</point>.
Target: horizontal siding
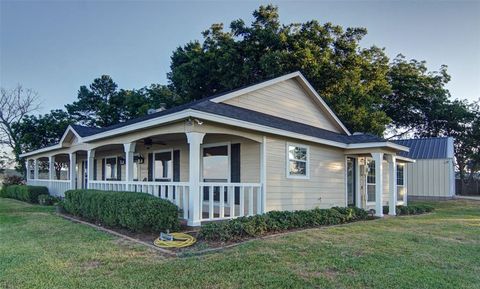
<point>324,189</point>
<point>287,100</point>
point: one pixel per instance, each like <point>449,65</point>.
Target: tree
<point>5,161</point>
<point>102,104</point>
<point>457,119</point>
<point>353,80</point>
<point>14,105</point>
<point>97,105</point>
<point>135,103</point>
<point>35,132</point>
<point>417,99</point>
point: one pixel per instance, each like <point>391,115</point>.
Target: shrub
<point>47,200</point>
<point>138,212</point>
<point>410,209</point>
<point>24,193</point>
<point>278,221</point>
<point>10,180</point>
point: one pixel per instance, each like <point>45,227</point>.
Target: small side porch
<point>376,179</point>
<point>209,176</point>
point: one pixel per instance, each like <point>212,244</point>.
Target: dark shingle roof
<point>85,130</point>
<point>280,123</point>
<point>427,148</point>
<point>205,105</point>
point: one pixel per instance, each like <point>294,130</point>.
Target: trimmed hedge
<point>138,212</point>
<point>24,193</point>
<point>278,221</point>
<point>410,209</point>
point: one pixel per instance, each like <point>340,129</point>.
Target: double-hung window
<point>31,167</point>
<point>400,183</point>
<point>371,181</point>
<point>163,166</point>
<point>216,169</point>
<point>111,168</point>
<point>297,161</point>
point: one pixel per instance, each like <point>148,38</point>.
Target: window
<point>371,181</point>
<point>31,165</point>
<point>297,162</point>
<point>136,167</point>
<point>216,164</point>
<point>216,168</point>
<point>110,168</point>
<point>163,166</point>
<point>400,182</point>
<point>351,181</point>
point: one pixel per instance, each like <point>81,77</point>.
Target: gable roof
<point>218,98</point>
<point>256,117</point>
<point>294,75</point>
<point>428,148</point>
<point>247,115</point>
<point>83,131</point>
<point>213,106</point>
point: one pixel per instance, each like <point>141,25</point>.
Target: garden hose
<point>180,240</point>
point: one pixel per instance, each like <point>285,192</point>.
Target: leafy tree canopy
<point>36,132</point>
<point>102,104</point>
<point>353,80</point>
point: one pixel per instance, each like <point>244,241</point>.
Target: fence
<point>469,187</point>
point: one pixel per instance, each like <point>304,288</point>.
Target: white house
<point>275,145</point>
<point>432,175</point>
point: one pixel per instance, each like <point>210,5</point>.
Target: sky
<point>54,47</point>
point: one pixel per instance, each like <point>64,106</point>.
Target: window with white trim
<point>111,168</point>
<point>136,167</point>
<point>216,164</point>
<point>163,166</point>
<point>216,169</point>
<point>371,181</point>
<point>400,182</point>
<point>297,161</point>
<point>31,167</point>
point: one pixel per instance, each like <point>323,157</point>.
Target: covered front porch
<point>209,176</point>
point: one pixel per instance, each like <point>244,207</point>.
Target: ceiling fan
<point>148,142</point>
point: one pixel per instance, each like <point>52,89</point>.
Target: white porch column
<point>90,172</point>
<point>51,168</point>
<point>27,166</point>
<point>129,150</point>
<point>378,158</point>
<point>392,184</point>
<point>73,170</point>
<point>263,173</point>
<point>35,169</point>
<point>195,139</point>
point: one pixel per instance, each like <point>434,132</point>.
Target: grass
<point>438,250</point>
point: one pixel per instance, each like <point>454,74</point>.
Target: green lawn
<point>440,250</point>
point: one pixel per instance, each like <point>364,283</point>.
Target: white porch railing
<point>55,187</point>
<point>175,192</point>
<point>220,201</point>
